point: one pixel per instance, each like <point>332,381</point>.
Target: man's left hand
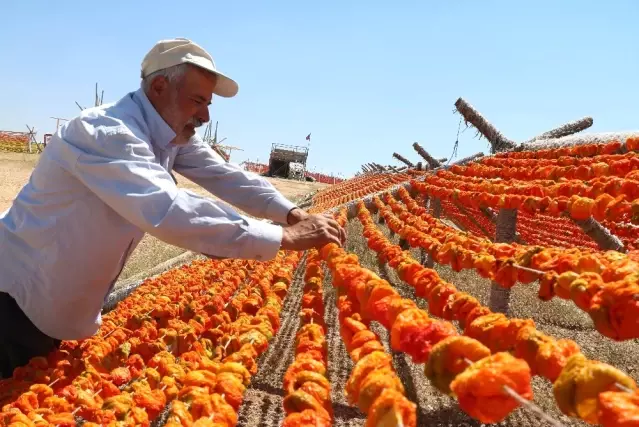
<point>296,215</point>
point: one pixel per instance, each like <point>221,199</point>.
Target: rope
<point>454,154</point>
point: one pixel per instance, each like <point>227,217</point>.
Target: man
<point>105,180</point>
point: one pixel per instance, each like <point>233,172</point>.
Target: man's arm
<point>247,191</point>
<point>121,171</point>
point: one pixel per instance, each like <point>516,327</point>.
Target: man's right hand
<point>313,232</point>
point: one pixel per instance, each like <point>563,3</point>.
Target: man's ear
<point>159,85</point>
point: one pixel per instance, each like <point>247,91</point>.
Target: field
<point>14,173</point>
<point>518,277</point>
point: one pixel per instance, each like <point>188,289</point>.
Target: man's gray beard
<point>172,112</point>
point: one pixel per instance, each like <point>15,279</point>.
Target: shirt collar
<point>161,133</point>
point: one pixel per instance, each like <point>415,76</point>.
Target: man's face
<point>184,104</point>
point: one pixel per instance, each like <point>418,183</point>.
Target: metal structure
<point>288,161</point>
<point>211,138</point>
<point>99,99</point>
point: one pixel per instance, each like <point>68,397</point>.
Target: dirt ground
<point>16,168</point>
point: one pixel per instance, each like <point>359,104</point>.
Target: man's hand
<point>296,215</point>
<point>313,232</point>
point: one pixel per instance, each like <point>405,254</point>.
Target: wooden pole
<point>403,160</point>
<point>566,129</point>
<point>505,233</point>
<point>492,217</point>
<point>578,139</point>
<point>597,232</point>
<point>432,162</point>
<point>497,140</point>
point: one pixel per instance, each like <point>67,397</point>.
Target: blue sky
<point>366,78</point>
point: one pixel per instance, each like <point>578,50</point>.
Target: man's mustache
<point>195,122</point>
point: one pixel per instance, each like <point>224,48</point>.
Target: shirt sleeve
<point>247,191</point>
<point>123,173</point>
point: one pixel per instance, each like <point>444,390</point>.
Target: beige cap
<point>167,53</point>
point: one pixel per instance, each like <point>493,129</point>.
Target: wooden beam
<point>505,232</point>
<point>432,162</point>
<point>565,129</point>
<point>403,160</point>
<point>492,217</point>
<point>578,139</point>
<point>597,232</point>
<point>497,140</point>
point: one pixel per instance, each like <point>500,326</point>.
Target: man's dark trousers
<point>20,340</point>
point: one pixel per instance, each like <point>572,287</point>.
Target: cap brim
<point>225,86</point>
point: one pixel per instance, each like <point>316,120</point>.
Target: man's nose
<point>203,115</point>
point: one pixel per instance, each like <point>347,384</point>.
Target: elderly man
<point>104,180</point>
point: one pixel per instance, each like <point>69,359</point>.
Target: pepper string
<point>349,186</point>
<point>74,359</point>
<point>344,193</point>
<point>86,396</point>
<point>545,230</point>
<point>373,380</point>
<point>602,198</point>
<point>307,391</point>
<point>92,368</point>
<point>603,284</point>
<point>152,399</point>
<point>579,384</point>
<point>245,354</point>
<point>619,165</point>
<point>168,380</point>
<point>373,384</point>
<point>532,229</point>
<point>413,332</point>
<point>241,360</point>
<point>211,366</point>
<point>478,225</point>
<point>111,384</point>
<point>580,151</point>
<point>365,184</point>
<point>611,265</point>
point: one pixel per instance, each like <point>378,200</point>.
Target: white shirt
<point>102,182</point>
